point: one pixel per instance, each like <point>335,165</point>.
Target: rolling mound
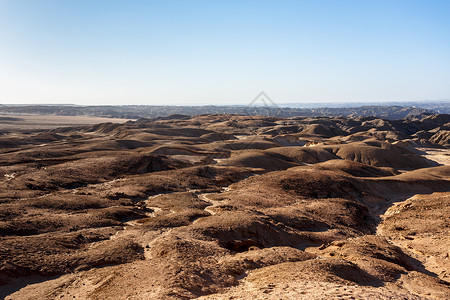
<point>239,145</point>
<point>257,159</point>
<point>308,155</point>
<point>355,168</point>
<point>320,130</point>
<point>380,156</point>
<point>214,136</point>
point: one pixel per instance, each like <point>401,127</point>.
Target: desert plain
<point>219,206</point>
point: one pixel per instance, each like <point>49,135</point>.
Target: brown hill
<point>257,159</point>
<point>309,155</point>
<point>386,156</point>
<point>355,168</point>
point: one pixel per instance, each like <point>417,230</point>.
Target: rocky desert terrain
<point>221,206</point>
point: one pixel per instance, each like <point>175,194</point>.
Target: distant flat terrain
<point>21,121</point>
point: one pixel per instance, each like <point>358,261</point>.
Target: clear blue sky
<point>223,52</point>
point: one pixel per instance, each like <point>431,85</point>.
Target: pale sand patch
<point>441,156</point>
<point>309,290</point>
<point>11,121</point>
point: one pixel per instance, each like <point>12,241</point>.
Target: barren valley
<point>221,206</point>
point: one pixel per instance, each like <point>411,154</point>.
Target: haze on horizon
<point>210,52</point>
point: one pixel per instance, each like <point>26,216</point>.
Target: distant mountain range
<point>152,111</point>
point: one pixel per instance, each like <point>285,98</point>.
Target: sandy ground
<point>309,290</point>
<point>441,156</point>
<point>9,121</point>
